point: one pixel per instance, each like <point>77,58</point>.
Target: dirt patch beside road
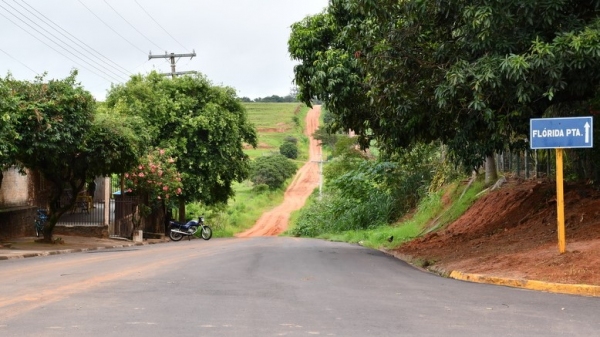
<point>512,233</point>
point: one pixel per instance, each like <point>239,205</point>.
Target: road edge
<point>557,288</point>
<point>28,254</point>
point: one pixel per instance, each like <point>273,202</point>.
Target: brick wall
<point>17,210</point>
<point>17,222</point>
<point>87,231</point>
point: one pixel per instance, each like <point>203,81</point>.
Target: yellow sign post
<point>560,201</point>
<point>561,133</point>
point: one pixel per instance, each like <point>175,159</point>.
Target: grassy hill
<point>274,122</point>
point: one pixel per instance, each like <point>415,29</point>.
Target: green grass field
<point>274,122</point>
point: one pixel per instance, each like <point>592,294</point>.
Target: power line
<point>107,25</point>
<point>132,26</point>
<point>23,64</point>
<point>79,43</point>
<point>49,46</point>
<point>62,43</point>
<point>150,16</point>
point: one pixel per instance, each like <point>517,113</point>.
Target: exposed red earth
<point>512,233</point>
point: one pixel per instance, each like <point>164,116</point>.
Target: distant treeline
<point>271,99</point>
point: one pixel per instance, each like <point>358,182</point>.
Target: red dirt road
<point>275,221</point>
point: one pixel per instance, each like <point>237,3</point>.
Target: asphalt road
<point>267,287</point>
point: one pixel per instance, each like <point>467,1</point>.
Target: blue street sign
<point>553,133</point>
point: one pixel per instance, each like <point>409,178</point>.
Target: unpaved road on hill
<point>275,222</point>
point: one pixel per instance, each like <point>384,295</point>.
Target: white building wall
<point>14,190</point>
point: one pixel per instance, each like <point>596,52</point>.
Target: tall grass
<point>433,212</point>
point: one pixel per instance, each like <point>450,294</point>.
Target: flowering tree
<point>188,114</point>
<point>155,180</point>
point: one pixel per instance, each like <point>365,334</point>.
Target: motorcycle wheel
<point>192,231</point>
<point>175,236</point>
<point>206,232</point>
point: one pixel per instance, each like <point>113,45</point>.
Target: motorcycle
<point>179,229</point>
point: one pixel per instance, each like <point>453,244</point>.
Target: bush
<point>260,188</point>
<point>289,149</point>
<point>291,139</point>
<point>272,171</point>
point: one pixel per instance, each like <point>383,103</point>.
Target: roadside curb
<point>558,288</point>
<point>28,254</point>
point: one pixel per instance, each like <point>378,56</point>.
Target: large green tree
<point>59,136</point>
<point>329,72</point>
<point>468,73</point>
<point>203,125</point>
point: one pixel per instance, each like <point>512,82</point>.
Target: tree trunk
<point>491,174</point>
<point>181,209</point>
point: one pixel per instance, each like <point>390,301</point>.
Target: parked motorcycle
<point>178,229</point>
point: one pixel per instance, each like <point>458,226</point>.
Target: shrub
<point>289,149</point>
<point>291,139</point>
<point>260,188</point>
<point>272,171</point>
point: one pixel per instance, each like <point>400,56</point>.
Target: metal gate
<point>89,208</point>
<point>122,209</point>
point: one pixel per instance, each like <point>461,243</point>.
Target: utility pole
<point>320,162</point>
<point>172,57</point>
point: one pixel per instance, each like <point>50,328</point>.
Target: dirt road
<point>274,222</point>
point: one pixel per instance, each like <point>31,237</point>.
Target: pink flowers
<point>156,175</point>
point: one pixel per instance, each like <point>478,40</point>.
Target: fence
<point>542,164</point>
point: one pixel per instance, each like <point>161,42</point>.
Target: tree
<point>155,180</point>
<point>470,74</point>
<point>203,126</point>
<point>289,150</point>
<point>329,72</point>
<point>60,137</point>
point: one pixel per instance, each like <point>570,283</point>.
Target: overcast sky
<point>238,43</point>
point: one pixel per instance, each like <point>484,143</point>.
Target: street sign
<point>553,133</point>
<point>559,134</point>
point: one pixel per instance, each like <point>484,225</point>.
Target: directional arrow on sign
<point>587,132</point>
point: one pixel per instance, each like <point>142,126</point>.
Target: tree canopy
<point>201,125</point>
<point>58,135</point>
<point>468,73</point>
